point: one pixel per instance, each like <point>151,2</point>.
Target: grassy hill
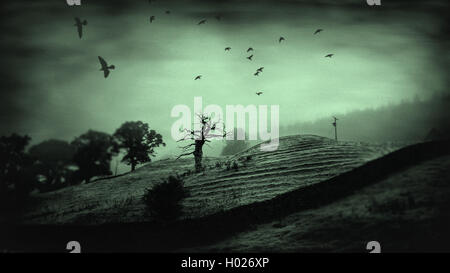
<point>399,199</point>
<point>407,211</point>
<point>300,161</point>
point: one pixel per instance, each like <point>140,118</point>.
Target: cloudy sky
<point>52,86</point>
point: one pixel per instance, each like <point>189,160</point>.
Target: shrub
<point>163,201</point>
<point>228,165</point>
<point>235,166</point>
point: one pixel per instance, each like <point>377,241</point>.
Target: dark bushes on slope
<point>163,201</point>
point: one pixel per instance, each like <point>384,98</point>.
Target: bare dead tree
<point>200,138</point>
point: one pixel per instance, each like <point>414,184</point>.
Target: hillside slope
<point>408,211</point>
<point>300,161</point>
<point>339,214</point>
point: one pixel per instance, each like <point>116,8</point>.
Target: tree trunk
<point>198,154</point>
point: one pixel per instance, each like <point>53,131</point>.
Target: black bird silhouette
<point>259,93</point>
<point>249,49</point>
<point>260,69</point>
<point>227,48</point>
<point>202,22</point>
<point>317,31</point>
<point>79,26</point>
<point>152,18</point>
<point>256,73</point>
<point>167,11</point>
<point>218,17</point>
<point>198,77</point>
<point>329,56</point>
<point>281,39</point>
<point>105,68</point>
<point>250,57</point>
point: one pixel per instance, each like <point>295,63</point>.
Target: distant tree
<point>53,158</point>
<point>93,154</point>
<point>138,141</point>
<point>235,146</point>
<point>200,137</point>
<point>16,176</point>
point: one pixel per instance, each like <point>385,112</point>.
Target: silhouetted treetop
<point>139,142</point>
<point>93,153</point>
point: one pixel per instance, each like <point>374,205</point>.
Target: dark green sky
<point>382,55</point>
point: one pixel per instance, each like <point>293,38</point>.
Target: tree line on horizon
<point>53,164</point>
<point>408,121</point>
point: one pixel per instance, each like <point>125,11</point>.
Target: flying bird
<point>281,39</point>
<point>152,18</point>
<point>256,73</point>
<point>250,57</point>
<point>202,22</point>
<point>260,69</point>
<point>249,49</point>
<point>105,68</point>
<point>317,31</point>
<point>218,17</point>
<point>167,11</point>
<point>329,56</point>
<point>259,93</point>
<point>198,77</point>
<point>79,26</point>
<point>227,48</point>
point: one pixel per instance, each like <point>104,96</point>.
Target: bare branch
<point>184,138</point>
<point>191,132</point>
<point>213,135</point>
<point>185,154</point>
<point>208,145</point>
<point>187,146</point>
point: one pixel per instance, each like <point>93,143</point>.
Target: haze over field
<point>53,88</point>
<point>88,111</point>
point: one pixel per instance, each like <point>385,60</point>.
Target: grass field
<point>408,211</point>
<point>300,161</point>
<point>399,199</point>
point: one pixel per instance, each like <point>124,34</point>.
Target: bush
<point>235,166</point>
<point>163,201</point>
<point>228,165</point>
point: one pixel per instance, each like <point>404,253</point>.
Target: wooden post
<point>117,164</point>
<point>335,128</point>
